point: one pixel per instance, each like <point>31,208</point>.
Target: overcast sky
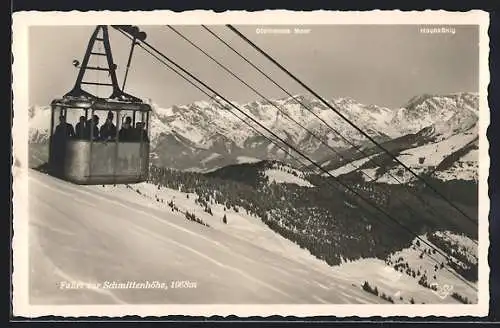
<point>383,65</point>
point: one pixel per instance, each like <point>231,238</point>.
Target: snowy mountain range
<point>440,139</point>
<point>206,135</point>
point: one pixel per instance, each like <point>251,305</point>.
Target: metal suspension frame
<point>129,60</point>
<point>117,93</point>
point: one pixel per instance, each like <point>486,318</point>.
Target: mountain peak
<point>446,113</point>
<point>457,97</point>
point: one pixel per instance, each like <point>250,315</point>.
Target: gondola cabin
<point>99,140</point>
<point>80,154</point>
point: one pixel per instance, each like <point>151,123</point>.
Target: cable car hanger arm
<point>117,93</point>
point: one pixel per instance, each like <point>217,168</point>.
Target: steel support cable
<point>259,94</point>
<point>428,207</point>
<point>132,46</point>
<point>219,102</point>
<point>351,143</point>
<point>385,150</point>
<point>408,206</point>
<point>287,92</point>
<point>312,162</point>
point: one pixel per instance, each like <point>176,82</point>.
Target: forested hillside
<point>331,222</point>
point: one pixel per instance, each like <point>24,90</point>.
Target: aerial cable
<point>280,110</point>
<point>307,158</point>
<point>349,122</point>
<point>351,143</point>
<point>290,146</point>
<point>97,73</point>
<point>287,152</point>
<point>132,46</point>
<point>291,118</point>
<point>358,148</point>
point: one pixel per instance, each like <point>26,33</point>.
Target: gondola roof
<point>100,104</point>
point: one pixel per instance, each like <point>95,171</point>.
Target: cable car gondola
<point>78,152</point>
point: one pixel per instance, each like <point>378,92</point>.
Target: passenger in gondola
<point>64,130</point>
<point>140,133</point>
<point>80,128</point>
<point>108,129</point>
<point>62,133</point>
<point>125,133</point>
<point>91,126</point>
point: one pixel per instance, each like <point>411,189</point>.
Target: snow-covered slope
<point>139,233</point>
<point>445,155</point>
<point>351,166</point>
<point>91,235</point>
<point>280,176</point>
<point>418,273</point>
<point>434,268</point>
<point>281,173</point>
<point>255,173</point>
<point>245,159</point>
<point>433,157</point>
<point>465,167</point>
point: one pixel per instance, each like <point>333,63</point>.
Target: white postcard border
<point>21,23</point>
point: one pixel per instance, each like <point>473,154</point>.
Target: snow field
<point>95,234</point>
